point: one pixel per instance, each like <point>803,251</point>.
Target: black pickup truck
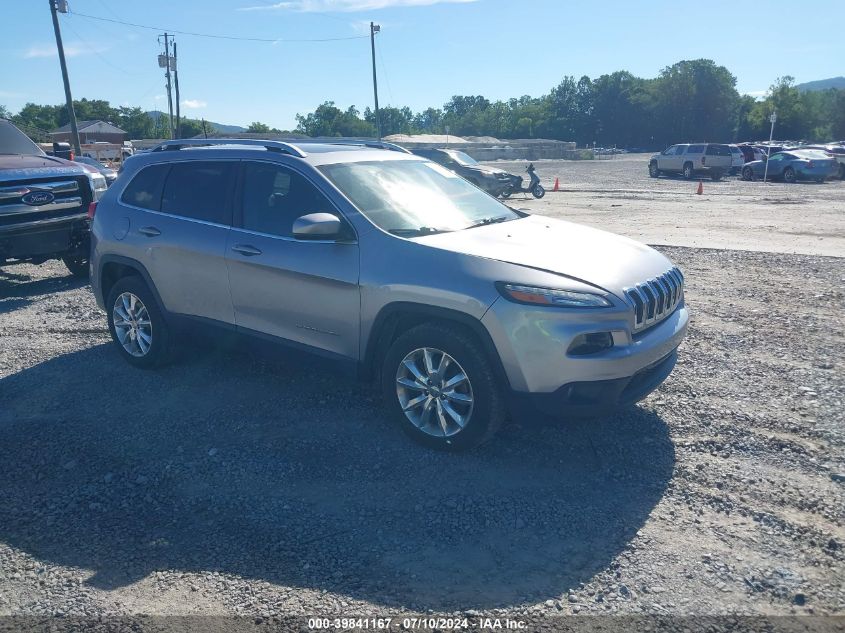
<point>44,204</point>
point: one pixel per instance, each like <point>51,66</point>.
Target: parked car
<point>750,152</point>
<point>493,181</point>
<point>692,159</point>
<point>737,160</point>
<point>836,152</point>
<point>44,203</point>
<point>390,264</point>
<point>108,173</point>
<point>802,164</point>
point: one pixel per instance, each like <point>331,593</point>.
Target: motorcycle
<point>534,187</point>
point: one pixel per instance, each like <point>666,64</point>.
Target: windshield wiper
<point>486,221</point>
<point>423,230</point>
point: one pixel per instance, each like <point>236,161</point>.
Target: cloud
<point>72,49</point>
<point>193,104</point>
<point>757,94</point>
<point>159,97</point>
<point>345,6</point>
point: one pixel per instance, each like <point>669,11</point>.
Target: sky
<point>427,50</point>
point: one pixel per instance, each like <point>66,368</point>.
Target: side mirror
<point>317,226</point>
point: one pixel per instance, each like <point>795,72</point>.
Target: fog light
<point>590,343</point>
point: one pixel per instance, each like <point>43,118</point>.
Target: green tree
<point>258,127</point>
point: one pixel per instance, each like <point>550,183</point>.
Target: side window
<point>145,189</point>
<point>274,196</point>
<point>695,149</point>
<point>679,149</point>
<point>199,190</point>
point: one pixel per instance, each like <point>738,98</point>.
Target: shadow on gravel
<point>22,286</point>
<point>293,477</point>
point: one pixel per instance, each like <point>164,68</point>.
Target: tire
<point>715,175</point>
<point>78,266</point>
<point>820,181</point>
<point>132,347</point>
<point>842,171</point>
<point>538,191</point>
<point>789,175</point>
<point>430,421</point>
<point>689,172</point>
<point>653,171</point>
<point>506,192</point>
<point>747,173</point>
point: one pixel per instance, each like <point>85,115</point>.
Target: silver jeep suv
<point>463,309</point>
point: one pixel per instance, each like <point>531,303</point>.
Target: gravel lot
<point>229,483</point>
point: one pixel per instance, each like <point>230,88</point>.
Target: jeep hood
<point>579,252</point>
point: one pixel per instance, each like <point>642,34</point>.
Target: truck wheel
<point>747,173</point>
<point>136,324</point>
<point>653,171</point>
<point>688,171</point>
<point>439,386</point>
<point>78,266</point>
<point>506,192</point>
<point>789,175</point>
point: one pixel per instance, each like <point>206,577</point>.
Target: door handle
<point>246,249</point>
<point>149,231</point>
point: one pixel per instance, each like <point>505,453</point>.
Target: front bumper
<point>597,397</point>
<point>41,239</point>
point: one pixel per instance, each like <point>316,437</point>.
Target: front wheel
<point>653,171</point>
<point>136,324</point>
<point>78,266</point>
<point>439,386</point>
<point>506,192</point>
<point>789,175</point>
<point>538,191</point>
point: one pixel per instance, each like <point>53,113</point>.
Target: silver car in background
<point>463,309</point>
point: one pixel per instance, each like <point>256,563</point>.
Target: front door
<point>299,290</point>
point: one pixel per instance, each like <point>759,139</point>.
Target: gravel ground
<point>618,195</point>
<point>231,484</point>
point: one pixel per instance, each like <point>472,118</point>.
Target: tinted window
<point>718,150</point>
<point>274,196</point>
<point>145,189</point>
<point>199,190</point>
<point>695,149</point>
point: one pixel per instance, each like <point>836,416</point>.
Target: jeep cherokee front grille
<point>655,299</point>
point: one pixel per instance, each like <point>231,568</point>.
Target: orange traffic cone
<point>700,189</point>
<point>557,185</point>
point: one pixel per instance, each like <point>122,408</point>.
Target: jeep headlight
<point>533,295</point>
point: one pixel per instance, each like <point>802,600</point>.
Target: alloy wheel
<point>434,392</point>
<point>132,324</point>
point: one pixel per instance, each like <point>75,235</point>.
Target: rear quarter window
<point>200,190</point>
<point>145,188</point>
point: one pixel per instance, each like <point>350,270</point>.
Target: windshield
<point>13,141</point>
<point>461,158</point>
<point>405,196</point>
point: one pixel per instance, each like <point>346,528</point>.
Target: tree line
<point>692,100</point>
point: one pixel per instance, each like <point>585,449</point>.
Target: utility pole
<point>772,119</point>
<point>375,28</point>
<point>176,82</point>
<point>164,62</point>
<point>61,5</point>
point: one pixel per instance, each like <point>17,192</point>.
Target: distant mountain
<point>220,127</point>
<point>822,84</point>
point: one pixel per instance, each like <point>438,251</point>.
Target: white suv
<point>691,159</point>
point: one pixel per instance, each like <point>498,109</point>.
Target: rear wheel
<point>747,173</point>
<point>715,174</point>
<point>136,324</point>
<point>439,386</point>
<point>688,171</point>
<point>653,171</point>
<point>78,266</point>
<point>789,175</point>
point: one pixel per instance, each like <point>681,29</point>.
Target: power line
<point>221,37</point>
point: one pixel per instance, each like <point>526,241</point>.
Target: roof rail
<point>270,146</point>
<point>365,143</point>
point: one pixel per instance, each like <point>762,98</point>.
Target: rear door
<point>179,219</point>
<point>304,291</point>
